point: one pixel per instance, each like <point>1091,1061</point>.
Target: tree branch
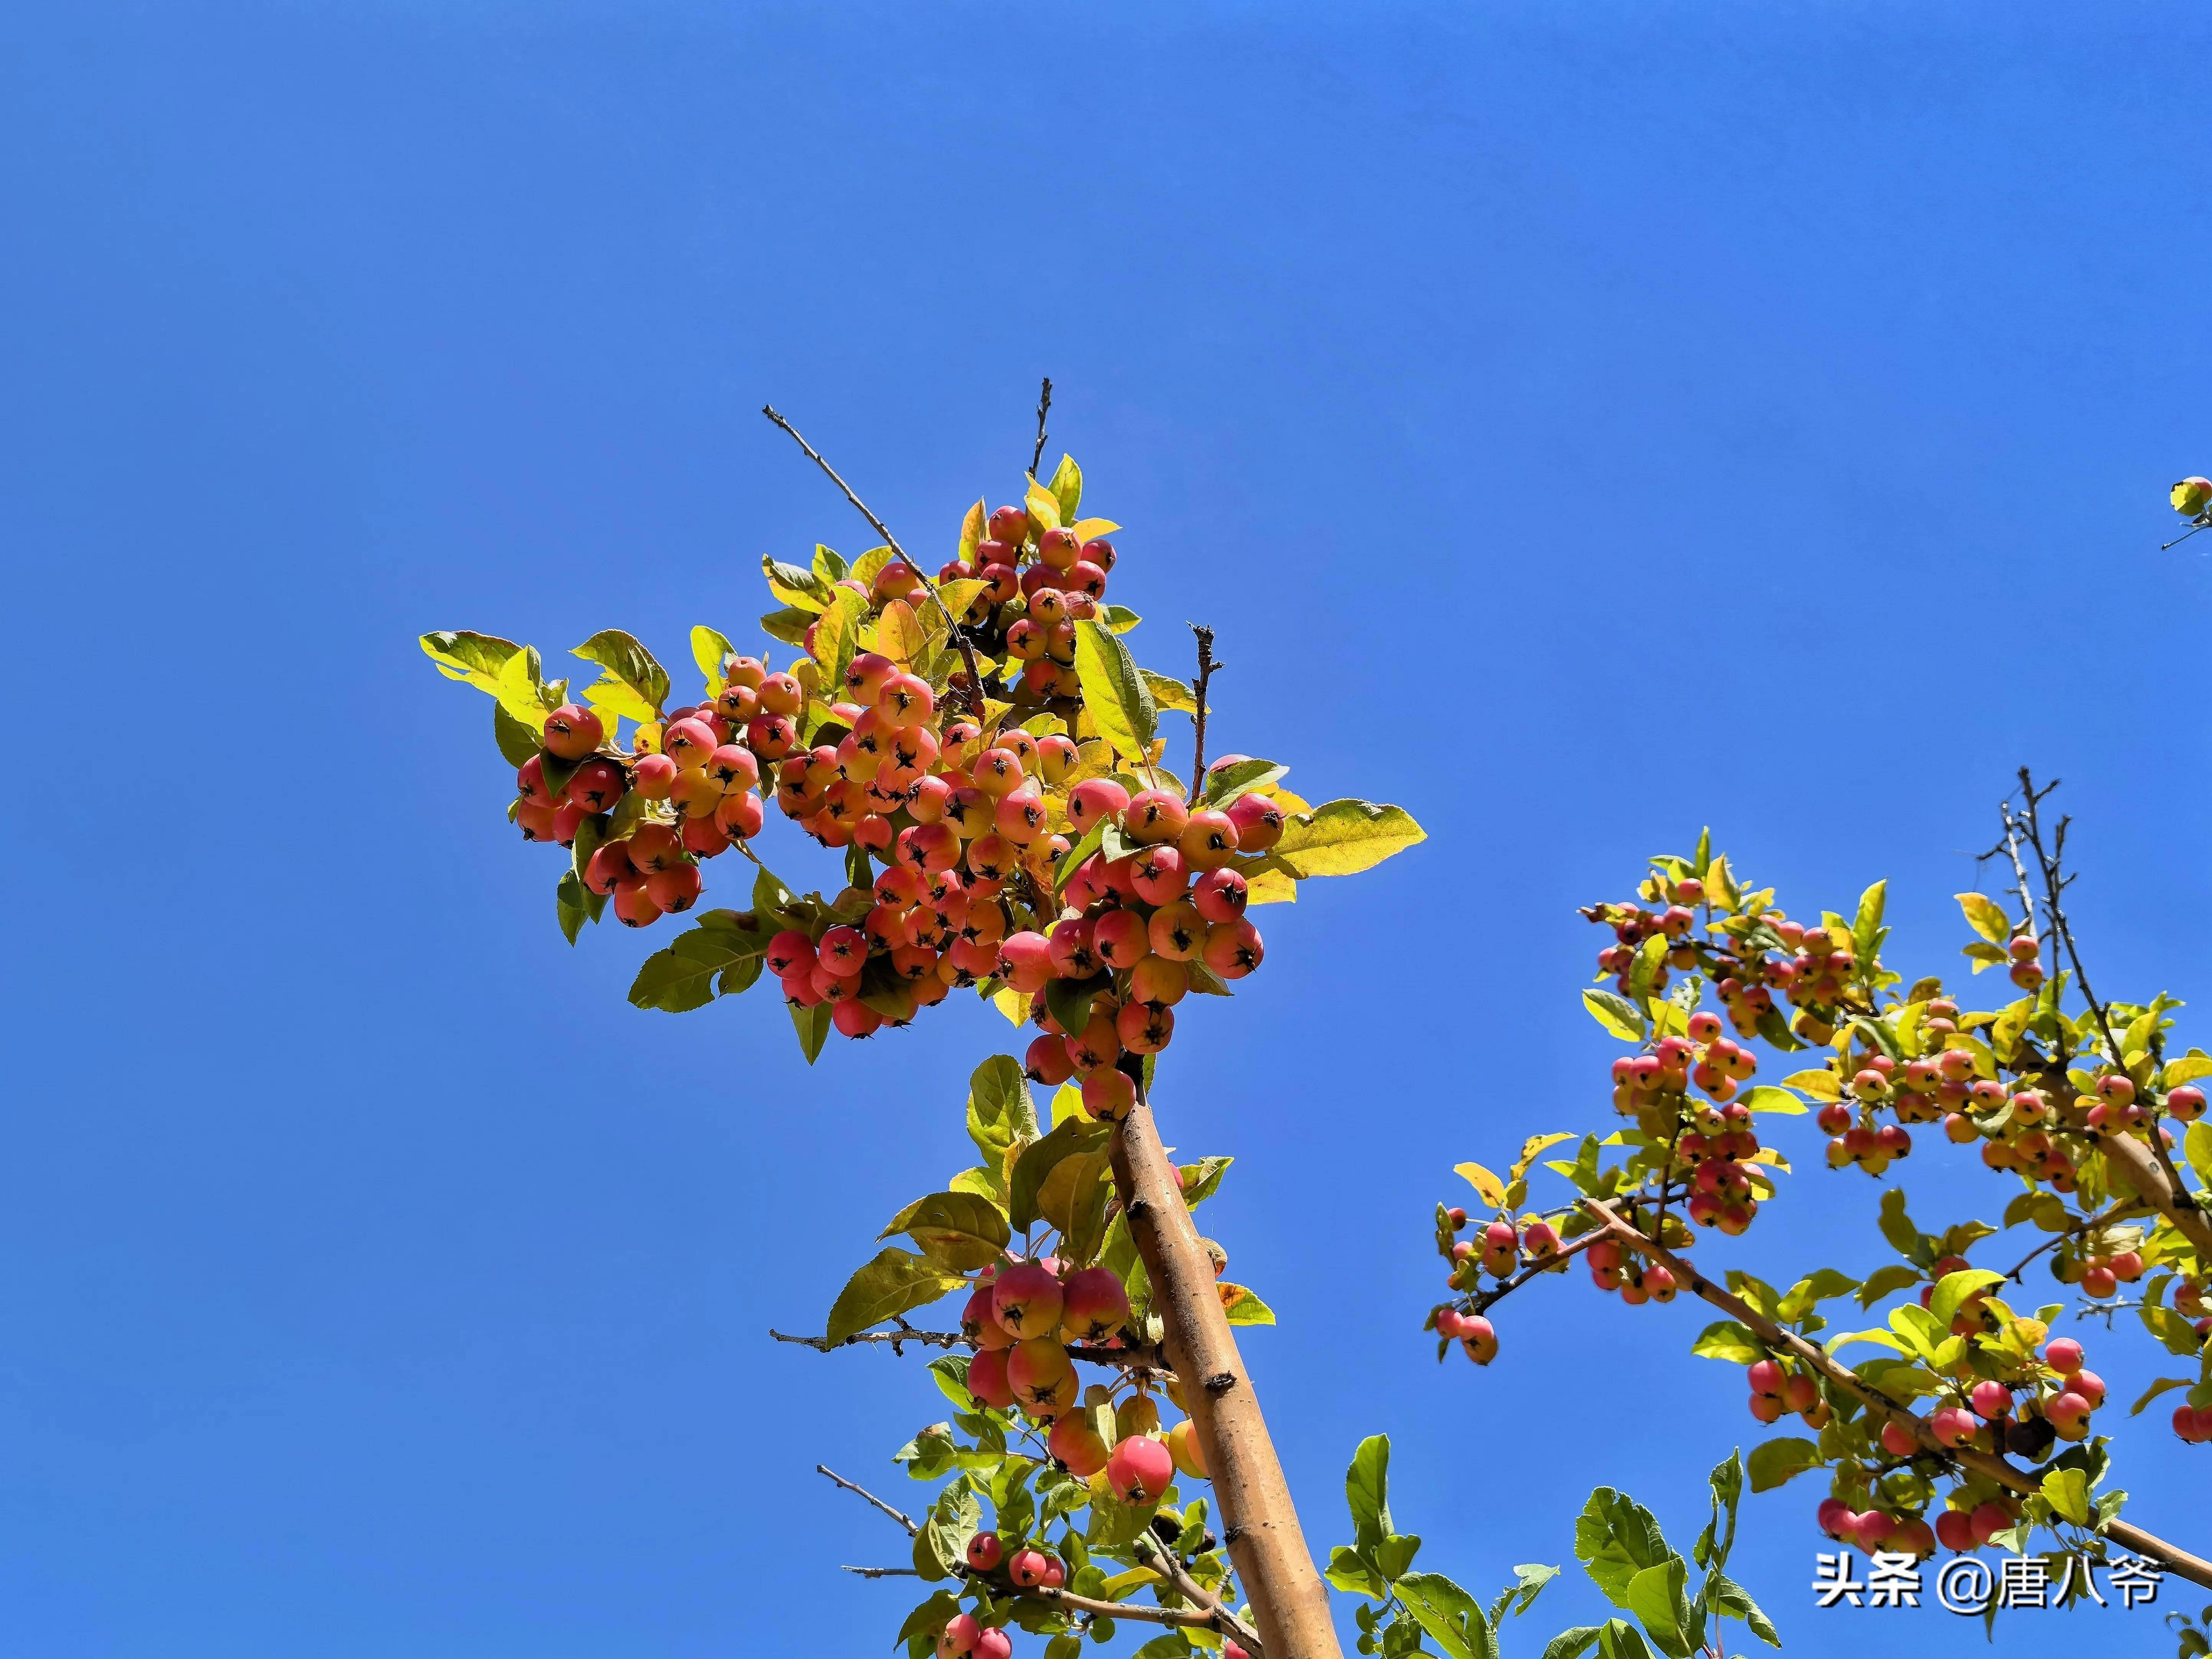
<point>1485,1300</point>
<point>1138,1356</point>
<point>839,1479</point>
<point>1210,1616</point>
<point>952,624</point>
<point>1224,1622</point>
<point>1205,667</point>
<point>1815,1357</point>
<point>1044,403</point>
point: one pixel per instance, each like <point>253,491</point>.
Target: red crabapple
<point>573,732</point>
<point>985,1550</point>
<point>1145,1030</point>
<point>1140,1469</point>
<point>1154,816</point>
<point>634,906</point>
<point>1208,841</point>
<point>2064,1355</point>
<point>675,889</point>
<point>994,1643</point>
<point>1234,949</point>
<point>1478,1338</point>
<point>1177,931</point>
<point>1095,798</point>
<point>1108,1095</point>
<point>1120,939</point>
<point>957,1638</point>
<point>1220,896</point>
<point>1160,875</point>
<point>1094,1305</point>
<point>1158,983</point>
<point>1076,1443</point>
<point>1047,1062</point>
<point>1027,1300</point>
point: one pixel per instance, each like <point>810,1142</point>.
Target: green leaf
<point>1618,1639</point>
<point>1660,1596</point>
<point>1115,694</point>
<point>1615,1539</point>
<point>2197,1147</point>
<point>572,905</point>
<point>1349,1573</point>
<point>1240,1305</point>
<point>1344,837</point>
<point>2158,1387</point>
<point>1201,1180</point>
<point>1619,1017</point>
<point>2178,1335</point>
<point>708,649</point>
<point>1866,929</point>
<point>681,977</point>
<point>1571,1643</point>
<point>1986,917</point>
<point>1731,1600</point>
<point>2067,1490</point>
<point>1394,1556</point>
<point>1775,1461</point>
<point>896,1281</point>
<point>813,1025</point>
<point>1067,488</point>
<point>805,589</point>
<point>1450,1616</point>
<point>1885,1281</point>
<point>518,741</point>
<point>1952,1290</point>
<point>1232,783</point>
<point>625,663</point>
<point>1367,1489</point>
<point>1069,1000</point>
<point>1037,1160</point>
<point>789,625</point>
<point>1528,1579</point>
<point>958,1232</point>
<point>836,636</point>
<point>929,1618</point>
<point>1727,1340</point>
<point>1000,1111</point>
<point>489,664</point>
<point>1897,1226</point>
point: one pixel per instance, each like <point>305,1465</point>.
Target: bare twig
<point>1044,403</point>
<point>2086,1225</point>
<point>839,1479</point>
<point>2167,547</point>
<point>1485,1300</point>
<point>1205,668</point>
<point>883,1572</point>
<point>951,623</point>
<point>1138,1356</point>
<point>2054,884</point>
<point>1817,1359</point>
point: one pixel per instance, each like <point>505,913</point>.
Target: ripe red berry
<point>573,732</point>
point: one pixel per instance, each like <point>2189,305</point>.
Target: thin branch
<point>2167,547</point>
<point>1205,668</point>
<point>2054,884</point>
<point>1225,1621</point>
<point>1044,403</point>
<point>2086,1225</point>
<point>1815,1357</point>
<point>1485,1300</point>
<point>883,1572</point>
<point>839,1479</point>
<point>951,623</point>
<point>1138,1356</point>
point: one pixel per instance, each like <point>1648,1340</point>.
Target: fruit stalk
<point>2177,1560</point>
<point>1290,1603</point>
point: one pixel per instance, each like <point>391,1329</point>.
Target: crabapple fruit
<point>573,732</point>
<point>1140,1469</point>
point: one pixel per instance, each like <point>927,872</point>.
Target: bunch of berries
<point>1024,1317</point>
<point>1712,1138</point>
<point>692,794</point>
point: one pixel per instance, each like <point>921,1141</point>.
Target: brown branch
<point>2087,1223</point>
<point>1225,1621</point>
<point>1815,1357</point>
<point>839,1479</point>
<point>1290,1601</point>
<point>1485,1300</point>
<point>1213,1618</point>
<point>1141,1356</point>
<point>1205,667</point>
<point>2148,1176</point>
<point>1044,403</point>
<point>2182,1200</point>
<point>951,623</point>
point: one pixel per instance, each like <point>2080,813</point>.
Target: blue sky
<point>1581,424</point>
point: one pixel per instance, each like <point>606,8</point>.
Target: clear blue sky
<point>1581,425</point>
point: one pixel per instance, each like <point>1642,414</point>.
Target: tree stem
<point>1290,1603</point>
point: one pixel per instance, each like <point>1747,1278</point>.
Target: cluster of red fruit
<point>1133,928</point>
<point>1712,1139</point>
<point>1025,1567</point>
<point>2023,1417</point>
<point>1023,1317</point>
<point>1039,580</point>
<point>1814,980</point>
<point>701,782</point>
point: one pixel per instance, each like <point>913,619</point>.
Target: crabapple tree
<point>977,752</point>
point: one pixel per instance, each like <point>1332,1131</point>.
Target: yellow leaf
<point>1043,510</point>
<point>971,531</point>
<point>1986,917</point>
<point>1114,696</point>
<point>1290,803</point>
<point>1271,887</point>
<point>1086,529</point>
<point>1821,1084</point>
<point>1344,837</point>
<point>899,634</point>
<point>1012,1004</point>
<point>1492,1188</point>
